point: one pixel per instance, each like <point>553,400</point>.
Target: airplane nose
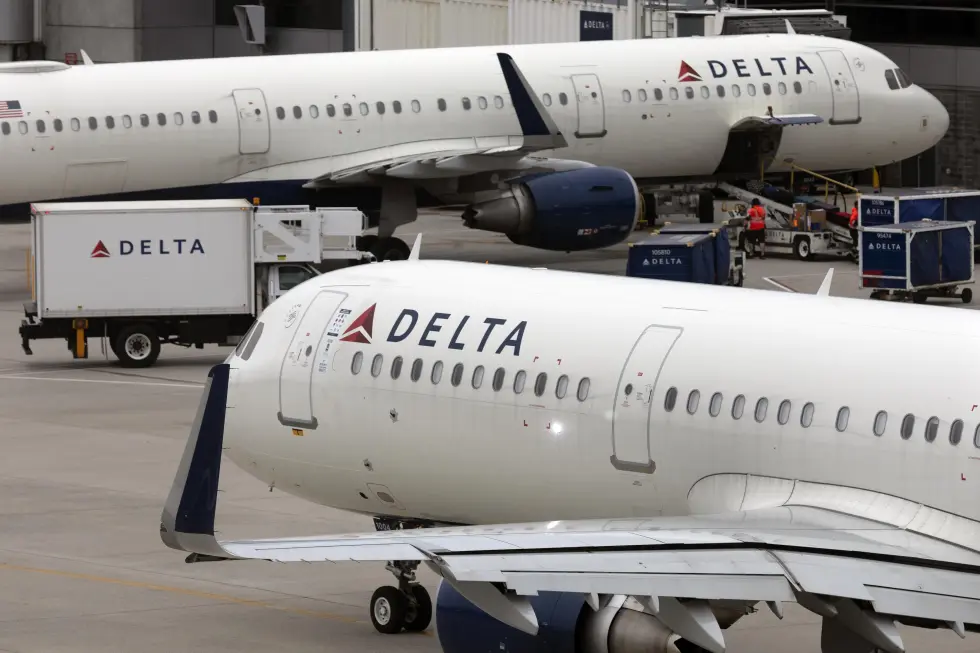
<point>938,119</point>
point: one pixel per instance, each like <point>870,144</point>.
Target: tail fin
<point>536,123</point>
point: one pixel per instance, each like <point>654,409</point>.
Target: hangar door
<point>844,90</point>
<point>634,398</point>
<point>591,110</point>
<point>253,121</point>
<point>296,374</point>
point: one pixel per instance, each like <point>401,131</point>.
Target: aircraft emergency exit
<point>540,142</point>
<point>588,461</point>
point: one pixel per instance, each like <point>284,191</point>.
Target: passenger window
<point>331,111</point>
<point>785,407</point>
<point>641,95</point>
<point>932,429</point>
<point>477,380</point>
<point>692,401</point>
<point>252,341</point>
<point>736,90</point>
<point>738,407</point>
<point>519,380</point>
<point>178,118</point>
<point>482,102</point>
<point>58,124</point>
<point>314,111</point>
<point>416,107</point>
<point>540,384</point>
<point>626,96</point>
<point>92,123</point>
<point>546,98</point>
<point>22,126</point>
<point>761,408</point>
<point>583,389</point>
<point>782,88</point>
<point>562,99</point>
<point>396,106</point>
<point>396,367</point>
<point>842,416</point>
<point>380,108</point>
<point>908,425</point>
<point>436,375</point>
<point>363,108</point>
<point>766,88</point>
<point>75,124</point>
<point>441,104</point>
<point>689,93</point>
<point>750,89</point>
<point>562,387</point>
<point>347,110</point>
<point>280,113</point>
<point>797,87</point>
<point>466,104</point>
<point>457,376</point>
<point>720,90</point>
<point>673,93</point>
<point>956,432</point>
<point>161,119</point>
<point>498,379</point>
<point>376,365</point>
<point>110,122</point>
<point>714,407</point>
<point>144,120</point>
<point>881,421</point>
<point>213,115</point>
<point>670,399</point>
<point>356,362</point>
<point>40,127</point>
<point>416,369</point>
<point>499,102</point>
<point>705,92</point>
<point>806,417</point>
<point>127,123</point>
<point>5,128</point>
<point>658,95</point>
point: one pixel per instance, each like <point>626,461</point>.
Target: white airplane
<point>603,461</point>
<point>389,131</point>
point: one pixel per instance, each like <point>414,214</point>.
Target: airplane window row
<point>476,378</point>
<point>720,91</point>
<point>110,122</point>
<point>806,416</point>
<point>897,79</point>
<point>364,108</point>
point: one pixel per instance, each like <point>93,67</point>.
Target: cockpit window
<point>247,345</point>
<point>903,79</point>
<point>892,81</point>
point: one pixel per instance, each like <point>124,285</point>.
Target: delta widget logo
<point>360,330</point>
<point>687,73</point>
<point>100,251</point>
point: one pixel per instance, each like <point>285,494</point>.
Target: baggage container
<point>673,257</point>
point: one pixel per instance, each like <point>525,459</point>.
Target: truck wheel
<point>137,346</point>
<point>802,249</point>
<point>967,296</point>
<point>390,249</point>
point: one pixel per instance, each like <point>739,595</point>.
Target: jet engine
<point>566,624</point>
<point>566,211</point>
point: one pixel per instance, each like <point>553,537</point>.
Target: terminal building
<point>934,41</point>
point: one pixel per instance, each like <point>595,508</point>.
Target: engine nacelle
<point>565,625</point>
<point>566,211</point>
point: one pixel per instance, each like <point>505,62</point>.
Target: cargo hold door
<point>253,121</point>
<point>296,374</point>
<point>843,88</point>
<point>591,109</point>
<point>631,411</point>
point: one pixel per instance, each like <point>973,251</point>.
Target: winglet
<point>536,123</point>
<point>87,60</point>
<point>416,248</point>
<point>187,522</point>
<point>824,290</point>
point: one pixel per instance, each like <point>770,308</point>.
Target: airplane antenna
<point>824,289</point>
<point>87,60</point>
<point>416,248</point>
<point>789,27</point>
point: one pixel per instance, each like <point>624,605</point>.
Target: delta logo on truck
<point>150,247</point>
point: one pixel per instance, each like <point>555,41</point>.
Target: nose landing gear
<point>407,606</point>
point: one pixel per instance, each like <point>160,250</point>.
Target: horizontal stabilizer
<point>536,122</point>
<point>788,119</point>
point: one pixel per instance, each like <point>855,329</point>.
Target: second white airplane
<point>390,131</point>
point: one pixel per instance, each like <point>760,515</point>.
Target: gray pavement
<point>89,456</point>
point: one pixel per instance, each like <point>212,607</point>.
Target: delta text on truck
<point>190,273</point>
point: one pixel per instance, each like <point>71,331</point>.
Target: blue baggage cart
<point>729,265</point>
<point>673,257</point>
<point>914,205</point>
<point>917,260</point>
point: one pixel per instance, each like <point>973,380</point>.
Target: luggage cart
<point>729,257</point>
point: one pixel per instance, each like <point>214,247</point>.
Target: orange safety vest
<point>757,218</point>
<point>854,217</point>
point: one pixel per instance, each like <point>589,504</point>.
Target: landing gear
<point>384,249</point>
<point>407,606</point>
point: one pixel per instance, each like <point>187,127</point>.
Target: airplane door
<point>253,121</point>
<point>296,374</point>
<point>591,110</point>
<point>631,412</point>
<point>844,90</point>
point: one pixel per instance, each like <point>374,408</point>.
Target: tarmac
<point>89,454</point>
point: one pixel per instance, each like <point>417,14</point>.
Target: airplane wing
<point>861,575</point>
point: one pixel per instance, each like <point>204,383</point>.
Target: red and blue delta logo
<point>360,330</point>
<point>757,66</point>
<point>151,247</point>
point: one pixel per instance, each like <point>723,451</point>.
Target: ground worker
<point>757,227</point>
<point>852,225</point>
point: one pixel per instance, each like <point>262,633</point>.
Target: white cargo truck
<point>190,273</point>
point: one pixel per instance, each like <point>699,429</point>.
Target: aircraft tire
<point>137,345</point>
<point>420,610</point>
<point>388,610</point>
<point>390,249</point>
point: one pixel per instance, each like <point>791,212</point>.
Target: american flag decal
<point>10,109</point>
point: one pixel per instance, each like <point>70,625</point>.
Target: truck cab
<point>285,277</point>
